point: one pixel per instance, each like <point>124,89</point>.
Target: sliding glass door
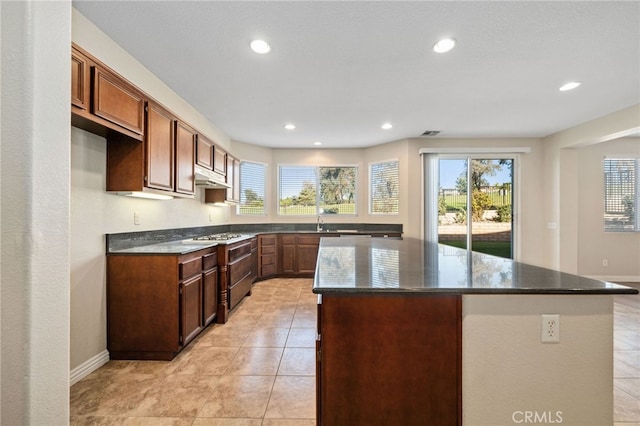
<point>475,204</point>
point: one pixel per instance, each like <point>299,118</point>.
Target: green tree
<point>307,196</point>
<point>337,185</point>
<point>480,169</point>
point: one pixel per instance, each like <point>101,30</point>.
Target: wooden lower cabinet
<point>238,263</point>
<point>298,253</point>
<point>267,255</point>
<point>157,304</point>
<point>389,360</point>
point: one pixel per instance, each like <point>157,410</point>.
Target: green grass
<point>346,208</point>
<point>495,248</point>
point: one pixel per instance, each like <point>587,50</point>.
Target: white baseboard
<point>88,367</point>
<point>616,278</point>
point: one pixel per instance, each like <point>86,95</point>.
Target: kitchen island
<point>411,332</point>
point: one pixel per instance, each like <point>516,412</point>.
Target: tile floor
<point>259,369</point>
<point>626,359</point>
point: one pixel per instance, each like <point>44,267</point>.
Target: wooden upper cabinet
<point>233,179</point>
<point>116,101</point>
<point>80,83</point>
<point>185,158</point>
<point>219,161</point>
<point>204,153</point>
<point>159,148</point>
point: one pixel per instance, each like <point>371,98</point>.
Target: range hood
<point>209,179</point>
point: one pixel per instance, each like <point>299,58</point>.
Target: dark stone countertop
<point>176,241</point>
<point>412,266</point>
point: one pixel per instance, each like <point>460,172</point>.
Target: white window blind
<point>252,184</point>
<point>384,187</point>
<point>622,194</point>
<point>309,190</point>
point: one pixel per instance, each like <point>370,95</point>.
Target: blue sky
<point>451,169</point>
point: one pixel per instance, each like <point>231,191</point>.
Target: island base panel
<point>385,360</point>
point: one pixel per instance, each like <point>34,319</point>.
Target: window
<point>383,187</point>
<point>622,194</point>
<point>252,182</point>
<point>308,190</point>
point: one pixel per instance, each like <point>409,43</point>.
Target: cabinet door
<point>288,258</point>
<point>219,161</point>
<point>185,158</point>
<point>159,148</point>
<point>306,257</point>
<point>236,180</point>
<point>210,294</point>
<point>204,153</point>
<point>79,80</point>
<point>116,101</point>
<point>190,309</point>
<point>231,178</point>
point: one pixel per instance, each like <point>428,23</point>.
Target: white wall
<point>34,196</point>
<point>505,367</point>
<point>360,157</point>
<point>621,249</point>
<point>559,175</point>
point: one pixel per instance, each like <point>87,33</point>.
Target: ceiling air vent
<point>431,133</point>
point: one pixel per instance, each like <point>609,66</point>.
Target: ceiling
<point>339,70</point>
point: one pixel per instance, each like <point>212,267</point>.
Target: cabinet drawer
<point>254,244</point>
<point>239,251</point>
<point>190,268</point>
<point>266,270</point>
<point>268,240</point>
<point>288,239</point>
<point>268,249</point>
<point>239,270</point>
<point>269,259</point>
<point>308,239</point>
<point>209,260</point>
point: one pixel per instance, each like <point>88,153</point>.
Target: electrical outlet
<point>136,218</point>
<point>550,330</point>
<point>605,262</point>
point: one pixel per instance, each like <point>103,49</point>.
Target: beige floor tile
<point>298,362</point>
<point>255,362</point>
<point>115,395</point>
<point>267,337</point>
<point>301,338</point>
<point>225,336</point>
<point>275,320</point>
<point>207,360</point>
<point>630,386</point>
<point>239,397</point>
<point>96,421</point>
<point>158,421</point>
<point>626,408</point>
<point>244,319</point>
<point>288,422</point>
<point>292,397</point>
<point>226,422</point>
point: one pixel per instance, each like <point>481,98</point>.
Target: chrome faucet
<point>320,223</point>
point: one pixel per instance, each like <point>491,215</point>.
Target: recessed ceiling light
<point>260,46</point>
<point>386,126</point>
<point>317,143</point>
<point>444,45</point>
<point>569,86</point>
<point>289,126</point>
